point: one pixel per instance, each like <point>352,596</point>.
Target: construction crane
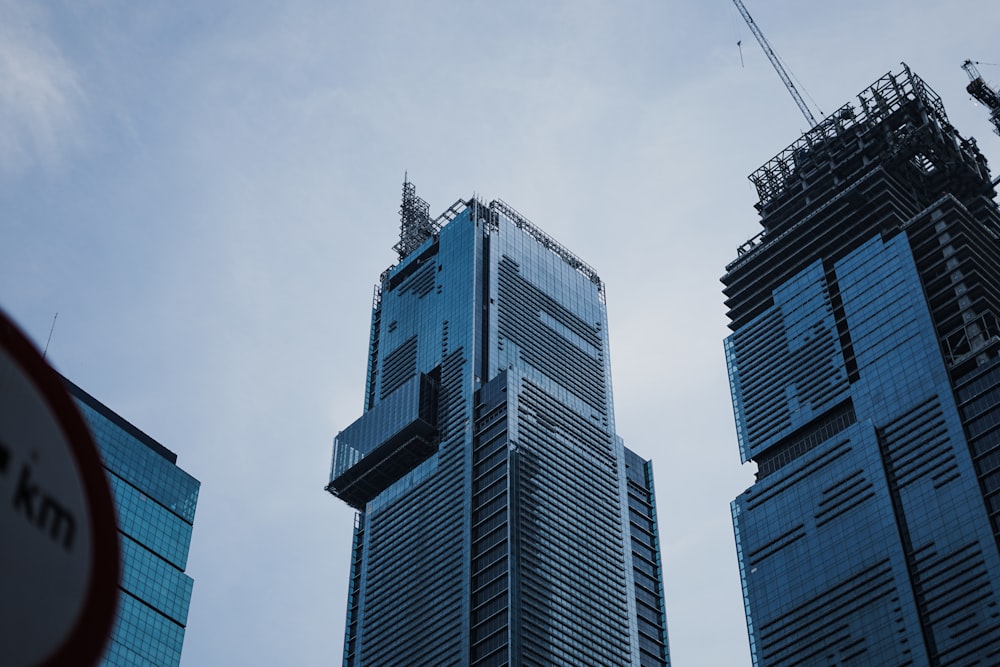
<point>773,57</point>
<point>982,92</point>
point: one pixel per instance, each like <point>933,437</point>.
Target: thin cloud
<point>40,92</point>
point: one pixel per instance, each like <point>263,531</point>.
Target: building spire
<point>416,225</point>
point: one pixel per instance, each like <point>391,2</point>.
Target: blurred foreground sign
<point>58,540</point>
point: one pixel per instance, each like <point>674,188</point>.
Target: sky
<point>207,192</point>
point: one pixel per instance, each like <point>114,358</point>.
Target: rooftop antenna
<point>778,67</point>
<point>51,329</point>
<point>416,225</point>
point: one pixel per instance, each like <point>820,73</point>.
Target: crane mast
<point>779,68</point>
<point>982,92</point>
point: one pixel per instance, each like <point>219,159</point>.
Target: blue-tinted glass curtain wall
<point>493,495</point>
<point>156,502</point>
<point>865,346</point>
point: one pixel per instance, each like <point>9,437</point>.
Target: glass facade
<point>864,350</point>
<point>508,525</point>
<point>155,501</point>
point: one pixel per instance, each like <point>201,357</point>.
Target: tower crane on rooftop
<point>779,68</point>
<point>982,92</point>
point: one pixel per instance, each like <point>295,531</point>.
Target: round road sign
<point>59,560</point>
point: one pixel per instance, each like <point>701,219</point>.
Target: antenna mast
<point>778,67</point>
<point>51,329</point>
<point>416,225</point>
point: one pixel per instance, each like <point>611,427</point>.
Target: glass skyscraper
<point>155,501</point>
<point>864,366</point>
<point>501,521</point>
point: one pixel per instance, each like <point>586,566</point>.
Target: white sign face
<point>50,576</point>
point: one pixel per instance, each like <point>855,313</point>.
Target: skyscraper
<point>864,365</point>
<point>501,521</point>
<point>155,501</point>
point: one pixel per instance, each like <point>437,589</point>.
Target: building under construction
<point>864,366</point>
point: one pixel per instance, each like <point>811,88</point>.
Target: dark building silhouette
<point>500,520</point>
<point>864,365</point>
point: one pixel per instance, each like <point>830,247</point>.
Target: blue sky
<point>207,192</point>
